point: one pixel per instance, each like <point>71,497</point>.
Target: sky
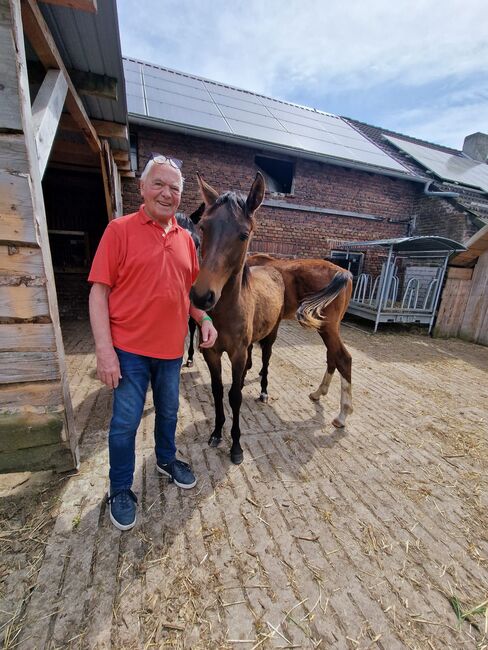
<point>419,67</point>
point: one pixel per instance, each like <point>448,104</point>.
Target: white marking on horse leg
<point>346,404</point>
<point>323,389</point>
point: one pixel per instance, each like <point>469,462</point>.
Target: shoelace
<point>125,494</point>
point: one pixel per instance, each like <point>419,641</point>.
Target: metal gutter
<point>283,205</point>
<point>158,123</point>
<point>439,195</point>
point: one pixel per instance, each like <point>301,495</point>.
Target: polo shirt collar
<point>145,218</point>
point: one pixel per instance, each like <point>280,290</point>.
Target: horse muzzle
<point>205,301</point>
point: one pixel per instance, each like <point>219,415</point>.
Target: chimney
<point>476,146</point>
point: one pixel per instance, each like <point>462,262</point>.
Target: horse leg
<point>323,388</point>
<point>192,326</point>
<point>248,365</point>
<point>267,347</point>
<point>238,361</point>
<point>344,366</point>
<point>214,363</point>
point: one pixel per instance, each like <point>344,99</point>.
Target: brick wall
<point>296,232</point>
<point>442,217</point>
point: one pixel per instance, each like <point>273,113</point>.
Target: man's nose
<point>165,191</point>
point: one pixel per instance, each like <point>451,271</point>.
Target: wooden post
<point>37,429</point>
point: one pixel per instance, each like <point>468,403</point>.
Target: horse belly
<point>269,292</point>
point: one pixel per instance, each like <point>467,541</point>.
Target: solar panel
<point>446,166</point>
<point>191,101</point>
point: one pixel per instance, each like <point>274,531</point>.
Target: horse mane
<point>186,223</point>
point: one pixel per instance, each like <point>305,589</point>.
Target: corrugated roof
<point>90,42</point>
<point>196,105</point>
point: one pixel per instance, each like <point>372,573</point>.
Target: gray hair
<point>151,163</point>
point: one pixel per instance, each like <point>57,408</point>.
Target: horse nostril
<point>210,298</point>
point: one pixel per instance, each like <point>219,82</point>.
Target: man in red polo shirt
<point>139,307</point>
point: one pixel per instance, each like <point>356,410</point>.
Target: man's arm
<point>108,369</point>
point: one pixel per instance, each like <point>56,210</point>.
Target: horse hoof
<point>237,457</point>
<point>263,398</point>
<point>338,424</point>
<point>214,441</point>
<point>189,363</point>
<point>314,397</point>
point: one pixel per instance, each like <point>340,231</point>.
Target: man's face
<point>161,191</point>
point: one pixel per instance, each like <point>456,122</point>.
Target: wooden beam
<point>46,112</point>
<point>123,165</point>
<point>111,129</point>
<point>40,38</point>
<point>81,5</point>
<point>128,174</point>
<point>86,83</point>
<point>120,155</point>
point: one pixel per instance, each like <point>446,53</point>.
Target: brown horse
<point>247,304</point>
<point>317,292</point>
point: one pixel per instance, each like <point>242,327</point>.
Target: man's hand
<point>209,334</point>
<point>108,368</point>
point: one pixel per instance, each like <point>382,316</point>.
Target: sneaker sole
<point>119,525</point>
<point>184,486</point>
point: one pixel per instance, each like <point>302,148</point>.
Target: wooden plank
<point>13,153</point>
<point>46,112</point>
<point>16,212</point>
<point>128,174</point>
<point>24,430</point>
<point>23,302</point>
<point>27,337</point>
<point>81,5</point>
<point>10,117</point>
<point>86,83</point>
<point>453,305</point>
<point>57,457</point>
<point>28,396</point>
<point>474,322</point>
<point>120,154</point>
<point>19,261</point>
<point>111,129</point>
<point>40,38</point>
<point>459,273</point>
<point>18,367</point>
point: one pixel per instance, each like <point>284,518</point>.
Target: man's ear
<point>208,193</point>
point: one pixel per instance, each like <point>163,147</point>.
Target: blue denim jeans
<point>128,404</point>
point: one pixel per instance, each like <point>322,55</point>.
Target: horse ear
<point>209,195</point>
<point>256,194</point>
<point>195,216</point>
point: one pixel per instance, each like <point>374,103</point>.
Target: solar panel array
<point>448,167</point>
<point>182,99</point>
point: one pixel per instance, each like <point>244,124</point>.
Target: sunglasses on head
<point>159,158</point>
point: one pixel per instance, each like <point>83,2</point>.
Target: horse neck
<point>233,291</point>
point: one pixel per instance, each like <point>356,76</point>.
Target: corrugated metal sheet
<point>90,42</point>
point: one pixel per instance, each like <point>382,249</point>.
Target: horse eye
<point>244,236</point>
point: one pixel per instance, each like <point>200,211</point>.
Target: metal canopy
<point>449,167</point>
<point>193,104</point>
<point>411,244</point>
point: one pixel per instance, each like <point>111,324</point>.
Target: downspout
<point>441,195</point>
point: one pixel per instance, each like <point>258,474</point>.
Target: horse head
<point>226,228</point>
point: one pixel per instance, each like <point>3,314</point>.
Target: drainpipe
<point>442,195</point>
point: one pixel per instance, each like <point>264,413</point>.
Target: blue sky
<point>418,67</point>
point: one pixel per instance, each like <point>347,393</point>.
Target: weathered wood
<point>81,5</point>
<point>23,302</point>
<point>39,396</point>
<point>27,337</point>
<point>13,154</point>
<point>24,430</point>
<point>459,273</point>
<point>19,261</point>
<point>453,305</point>
<point>57,457</point>
<point>16,212</point>
<point>46,112</point>
<point>120,155</point>
<point>128,174</point>
<point>111,129</point>
<point>474,322</point>
<point>9,92</point>
<point>94,85</point>
<point>16,367</point>
<point>43,43</point>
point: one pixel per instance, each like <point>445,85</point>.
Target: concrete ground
<point>373,536</point>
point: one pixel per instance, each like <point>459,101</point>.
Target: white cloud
<point>331,46</point>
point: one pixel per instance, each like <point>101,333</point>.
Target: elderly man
<point>139,307</point>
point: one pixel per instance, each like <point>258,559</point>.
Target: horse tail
<point>310,311</point>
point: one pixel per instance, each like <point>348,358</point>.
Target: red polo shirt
<point>150,274</point>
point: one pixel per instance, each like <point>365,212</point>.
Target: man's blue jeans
<point>128,404</point>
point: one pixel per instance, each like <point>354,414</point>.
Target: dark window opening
<point>353,262</point>
<point>134,155</point>
<point>277,173</point>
